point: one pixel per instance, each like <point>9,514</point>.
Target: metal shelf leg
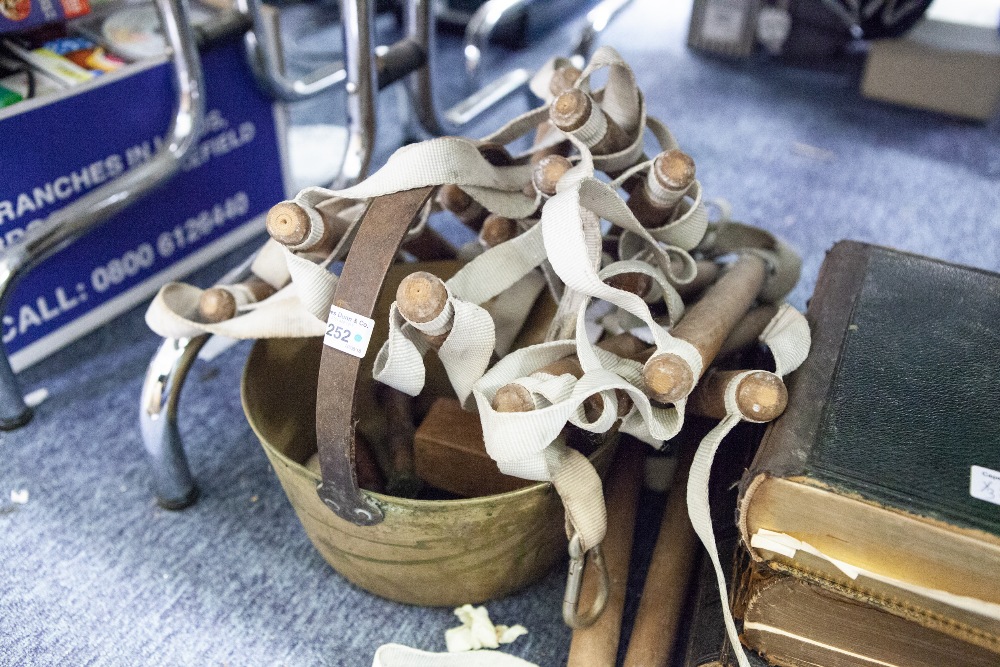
<point>264,56</point>
<point>362,84</point>
<point>491,13</point>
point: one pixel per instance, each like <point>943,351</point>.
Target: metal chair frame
<point>71,222</point>
<point>493,13</point>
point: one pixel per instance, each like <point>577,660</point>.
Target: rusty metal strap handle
<point>379,237</point>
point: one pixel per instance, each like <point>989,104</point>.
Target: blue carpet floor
<point>92,572</point>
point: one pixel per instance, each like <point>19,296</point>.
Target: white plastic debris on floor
<point>477,631</point>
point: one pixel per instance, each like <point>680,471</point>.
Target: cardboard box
<point>57,148</point>
<point>952,68</point>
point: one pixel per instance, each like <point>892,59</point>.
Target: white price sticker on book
<point>348,332</point>
<point>985,484</point>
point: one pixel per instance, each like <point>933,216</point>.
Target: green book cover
<point>888,454</point>
<point>898,400</point>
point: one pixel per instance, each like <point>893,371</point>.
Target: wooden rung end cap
<point>547,173</point>
<point>421,297</point>
<point>288,223</point>
<point>216,305</point>
<point>674,170</point>
<point>563,79</point>
<point>496,230</point>
<point>668,378</point>
<point>453,198</point>
<point>570,110</point>
<point>513,398</point>
<point>761,396</point>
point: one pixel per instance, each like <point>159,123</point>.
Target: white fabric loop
<point>397,655</point>
<point>594,128</point>
<point>620,98</point>
<point>173,313</point>
<point>467,350</point>
<point>450,160</point>
<point>314,284</point>
<point>269,265</point>
<point>787,335</point>
<point>465,353</point>
<point>662,287</point>
<point>784,263</point>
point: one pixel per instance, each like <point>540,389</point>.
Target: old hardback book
<point>882,474</point>
<point>795,622</point>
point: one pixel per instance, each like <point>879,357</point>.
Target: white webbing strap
<point>620,97</point>
<point>688,226</point>
<point>397,655</point>
<point>450,160</point>
<point>788,338</point>
<point>466,352</point>
<point>510,309</point>
<point>728,236</point>
<point>579,486</point>
<point>305,289</point>
<point>520,126</point>
<point>314,284</point>
<point>661,288</point>
<point>563,323</point>
<point>173,313</point>
<point>269,265</point>
<point>525,444</point>
<point>622,101</point>
<point>519,441</point>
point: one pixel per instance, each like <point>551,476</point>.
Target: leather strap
<point>378,240</point>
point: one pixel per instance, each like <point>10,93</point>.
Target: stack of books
<point>867,528</point>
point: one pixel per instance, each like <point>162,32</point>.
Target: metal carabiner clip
<point>574,583</point>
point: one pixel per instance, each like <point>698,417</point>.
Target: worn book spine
<point>798,622</point>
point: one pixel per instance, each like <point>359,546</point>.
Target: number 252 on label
<point>348,332</point>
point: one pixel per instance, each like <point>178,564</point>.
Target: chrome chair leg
<point>480,28</point>
<point>362,83</point>
<point>420,30</point>
<point>477,36</point>
<point>69,223</point>
<point>173,484</point>
<point>598,19</point>
<point>264,55</point>
<point>159,401</point>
